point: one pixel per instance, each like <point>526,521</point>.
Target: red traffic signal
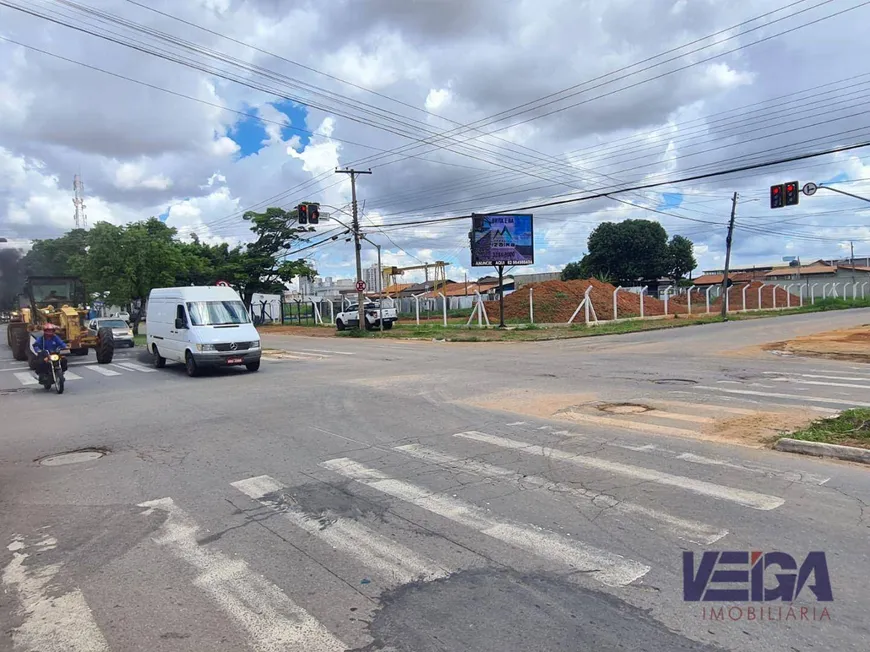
<point>792,193</point>
<point>302,213</point>
<point>776,196</point>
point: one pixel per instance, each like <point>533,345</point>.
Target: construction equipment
<point>439,268</point>
<point>59,300</point>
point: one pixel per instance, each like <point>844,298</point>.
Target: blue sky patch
<point>670,200</point>
<point>839,178</point>
<point>249,134</point>
<point>297,115</point>
<point>164,215</point>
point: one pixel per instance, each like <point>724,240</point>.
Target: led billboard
<point>502,240</point>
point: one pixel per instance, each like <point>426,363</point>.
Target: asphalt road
<point>428,496</point>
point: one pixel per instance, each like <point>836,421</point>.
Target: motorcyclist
<point>45,344</point>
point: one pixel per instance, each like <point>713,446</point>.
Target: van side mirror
<point>179,323</point>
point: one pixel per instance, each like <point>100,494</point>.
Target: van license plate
<point>235,360</point>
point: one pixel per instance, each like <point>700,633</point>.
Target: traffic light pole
<point>728,257</point>
<point>360,294</point>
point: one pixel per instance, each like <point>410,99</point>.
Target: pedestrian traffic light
<point>776,193</point>
<point>302,213</point>
<point>313,213</point>
<point>792,193</point>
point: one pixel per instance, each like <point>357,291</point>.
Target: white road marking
<point>678,416</point>
<point>740,496</point>
<point>319,356</point>
<point>776,373</point>
<point>132,366</point>
<point>516,423</point>
<point>393,560</point>
<point>100,369</point>
<point>693,531</point>
<point>817,399</point>
<point>609,568</point>
<point>633,425</point>
<point>818,382</point>
<point>331,352</point>
<point>272,621</point>
<point>645,447</point>
<point>69,375</point>
<point>50,622</point>
<point>26,378</point>
<point>791,476</point>
<point>703,406</point>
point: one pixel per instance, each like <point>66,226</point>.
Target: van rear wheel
<point>190,365</point>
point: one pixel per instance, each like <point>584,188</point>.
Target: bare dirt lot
<point>844,344</point>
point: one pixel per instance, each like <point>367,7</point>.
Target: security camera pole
<point>360,283</point>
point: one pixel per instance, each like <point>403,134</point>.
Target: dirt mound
<point>556,301</point>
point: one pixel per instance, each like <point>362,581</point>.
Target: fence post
<point>643,291</point>
<point>801,294</point>
<point>774,286</point>
<point>788,295</point>
<point>443,307</point>
<point>854,290</point>
<point>825,290</point>
<point>813,293</point>
<point>745,287</point>
<point>709,287</point>
<point>615,309</point>
<point>667,292</point>
<point>417,307</point>
<point>531,305</point>
<point>862,288</point>
<point>582,303</point>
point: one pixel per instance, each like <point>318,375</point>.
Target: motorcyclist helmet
<point>49,329</point>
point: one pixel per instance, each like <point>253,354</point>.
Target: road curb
<point>850,453</point>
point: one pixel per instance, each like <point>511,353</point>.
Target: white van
<point>201,327</point>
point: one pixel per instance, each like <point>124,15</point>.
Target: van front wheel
<point>159,360</point>
<point>253,366</point>
<point>190,365</point>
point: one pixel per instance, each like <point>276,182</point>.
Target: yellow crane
<point>439,268</point>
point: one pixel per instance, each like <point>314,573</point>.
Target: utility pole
<point>360,295</point>
<point>728,257</point>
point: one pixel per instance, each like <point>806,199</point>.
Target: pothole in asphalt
<point>624,408</point>
<point>675,381</point>
<point>73,457</point>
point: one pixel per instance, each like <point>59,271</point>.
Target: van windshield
<point>217,313</point>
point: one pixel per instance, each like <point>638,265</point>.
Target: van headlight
<point>205,347</point>
<point>255,345</point>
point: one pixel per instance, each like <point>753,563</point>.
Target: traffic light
<point>302,213</point>
<point>313,213</point>
<point>792,193</point>
<point>776,193</point>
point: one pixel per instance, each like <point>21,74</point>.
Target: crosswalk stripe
<point>50,621</point>
<point>720,492</point>
<point>132,366</point>
<point>607,567</point>
<point>693,531</point>
<point>100,369</point>
<point>796,397</point>
<point>703,406</point>
<point>791,476</point>
<point>25,378</point>
<point>69,375</point>
<point>272,621</point>
<point>401,564</point>
<point>678,416</point>
<point>632,425</point>
<point>801,381</point>
<point>776,373</point>
<point>330,352</point>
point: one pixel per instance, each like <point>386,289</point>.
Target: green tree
<point>58,256</point>
<point>263,265</point>
<point>681,258</point>
<point>128,261</point>
<point>628,251</point>
<point>573,271</point>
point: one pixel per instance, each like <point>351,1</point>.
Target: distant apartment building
<point>371,277</point>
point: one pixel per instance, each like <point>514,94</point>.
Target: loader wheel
<point>105,345</point>
<point>19,345</point>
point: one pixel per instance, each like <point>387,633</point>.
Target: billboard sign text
<point>502,240</point>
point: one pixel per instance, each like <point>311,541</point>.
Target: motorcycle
<point>55,374</point>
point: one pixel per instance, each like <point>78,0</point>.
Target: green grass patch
<point>849,428</point>
<point>139,340</point>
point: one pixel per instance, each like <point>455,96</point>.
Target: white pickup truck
<point>373,314</point>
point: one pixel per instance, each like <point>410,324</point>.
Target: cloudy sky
<point>196,111</point>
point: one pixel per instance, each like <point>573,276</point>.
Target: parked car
<point>121,330</point>
<point>122,315</point>
<point>373,314</point>
<point>201,327</point>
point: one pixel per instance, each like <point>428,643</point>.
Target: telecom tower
<point>79,202</point>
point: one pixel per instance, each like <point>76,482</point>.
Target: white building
<point>371,277</point>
